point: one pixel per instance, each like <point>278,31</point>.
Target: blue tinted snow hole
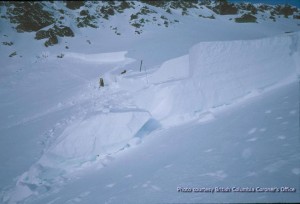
<point>147,128</point>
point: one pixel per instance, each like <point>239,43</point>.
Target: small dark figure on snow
<point>101,83</point>
<point>123,72</point>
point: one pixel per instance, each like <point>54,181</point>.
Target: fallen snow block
<point>92,137</point>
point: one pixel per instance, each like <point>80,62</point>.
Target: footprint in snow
<point>262,129</point>
<point>105,110</point>
<point>286,145</point>
<point>79,198</point>
<point>128,176</point>
<point>156,188</point>
<point>74,200</point>
<point>110,200</point>
<point>281,137</point>
<point>246,153</point>
<point>296,171</point>
<point>275,166</point>
<point>293,112</point>
<point>168,166</point>
<point>110,185</point>
<point>220,175</point>
<point>252,139</point>
<point>84,194</point>
<point>253,130</point>
<point>208,150</point>
<point>145,185</point>
<point>59,105</point>
<point>268,111</point>
<point>250,174</point>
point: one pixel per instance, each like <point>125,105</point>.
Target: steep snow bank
<point>225,71</point>
<point>219,74</point>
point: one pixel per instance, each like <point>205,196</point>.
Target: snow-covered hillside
<point>255,144</point>
<point>215,104</point>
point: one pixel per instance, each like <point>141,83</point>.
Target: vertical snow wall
<point>225,71</point>
<point>218,73</point>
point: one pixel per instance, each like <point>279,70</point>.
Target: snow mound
<point>100,58</point>
<point>217,74</point>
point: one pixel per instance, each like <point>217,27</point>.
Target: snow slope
<point>254,144</point>
<point>199,82</point>
<point>63,138</point>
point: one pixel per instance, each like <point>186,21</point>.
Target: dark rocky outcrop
<point>225,8</point>
<point>246,18</point>
<point>74,4</point>
<point>285,10</point>
<point>248,7</point>
<point>52,20</point>
<point>29,16</point>
<point>52,34</point>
